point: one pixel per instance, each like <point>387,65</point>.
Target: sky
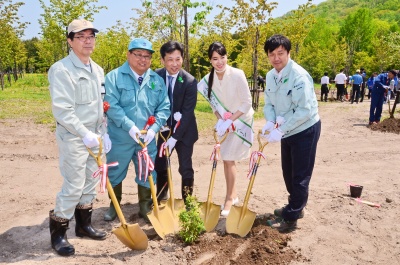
<point>122,10</point>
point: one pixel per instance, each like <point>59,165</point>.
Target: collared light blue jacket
<point>131,104</point>
<point>291,96</point>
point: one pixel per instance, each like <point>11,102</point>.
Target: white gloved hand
<point>280,120</point>
<point>91,140</point>
<point>275,136</point>
<point>221,130</point>
<point>107,143</point>
<point>134,132</point>
<point>170,144</point>
<point>219,122</point>
<point>268,127</point>
<point>149,136</point>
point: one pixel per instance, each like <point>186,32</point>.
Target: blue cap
<point>139,43</point>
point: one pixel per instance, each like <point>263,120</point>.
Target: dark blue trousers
<point>298,156</point>
<point>375,110</point>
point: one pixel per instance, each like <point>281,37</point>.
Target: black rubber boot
<point>144,195</point>
<point>162,192</point>
<point>59,241</point>
<point>187,188</point>
<point>83,227</point>
<point>111,214</point>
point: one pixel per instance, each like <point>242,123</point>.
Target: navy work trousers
<point>298,156</point>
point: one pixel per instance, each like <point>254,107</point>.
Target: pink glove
<point>275,136</point>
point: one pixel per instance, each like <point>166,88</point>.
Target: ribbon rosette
<point>143,157</point>
<point>103,173</point>
<point>215,153</point>
<point>228,115</point>
<point>177,117</point>
<point>253,159</point>
<point>149,122</point>
<point>106,106</point>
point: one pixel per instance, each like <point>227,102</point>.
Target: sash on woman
<point>243,130</point>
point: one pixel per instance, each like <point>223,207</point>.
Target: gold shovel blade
<point>178,207</point>
<point>162,222</point>
<point>132,236</point>
<point>237,224</point>
<point>210,216</point>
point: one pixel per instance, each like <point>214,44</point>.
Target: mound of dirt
<point>391,125</point>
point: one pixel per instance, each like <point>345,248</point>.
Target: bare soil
<point>335,229</point>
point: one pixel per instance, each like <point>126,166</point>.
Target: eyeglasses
<point>84,38</point>
<point>144,57</point>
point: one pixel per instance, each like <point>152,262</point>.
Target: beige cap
<point>358,70</point>
<point>78,25</point>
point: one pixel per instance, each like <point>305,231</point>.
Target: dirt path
<point>335,230</point>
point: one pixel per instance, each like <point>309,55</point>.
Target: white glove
<point>221,130</point>
<point>149,136</point>
<point>275,136</point>
<point>107,143</point>
<point>91,140</point>
<point>134,132</point>
<point>268,127</point>
<point>219,122</point>
<point>280,120</point>
<point>170,144</point>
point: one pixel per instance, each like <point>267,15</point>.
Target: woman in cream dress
<point>228,87</point>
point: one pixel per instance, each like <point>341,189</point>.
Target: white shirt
<point>175,76</point>
<point>340,79</point>
<point>325,80</point>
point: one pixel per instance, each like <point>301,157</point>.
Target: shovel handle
<point>169,134</point>
<point>109,186</point>
<point>219,140</point>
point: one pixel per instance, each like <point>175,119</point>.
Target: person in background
<point>290,94</point>
<point>135,93</point>
<point>182,92</point>
<point>324,87</point>
<point>227,91</point>
<point>381,85</point>
<point>261,82</point>
<point>363,84</point>
<point>340,81</point>
<point>356,81</point>
<point>75,89</point>
<point>370,83</point>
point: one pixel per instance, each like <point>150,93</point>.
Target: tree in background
<point>54,22</point>
<point>111,47</point>
<point>357,32</point>
<point>163,20</point>
<point>11,30</point>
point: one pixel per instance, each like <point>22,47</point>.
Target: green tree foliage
<point>12,52</point>
<point>54,22</point>
<point>111,47</point>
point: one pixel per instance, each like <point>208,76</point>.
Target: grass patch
<point>29,98</point>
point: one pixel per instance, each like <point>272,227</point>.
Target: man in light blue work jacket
<point>291,112</point>
<point>134,92</point>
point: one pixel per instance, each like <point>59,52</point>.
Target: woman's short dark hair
<point>219,48</point>
<point>170,47</point>
<point>275,41</point>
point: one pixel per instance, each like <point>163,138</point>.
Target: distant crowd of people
<point>381,89</point>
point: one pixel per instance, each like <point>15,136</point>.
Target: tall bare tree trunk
<point>186,61</point>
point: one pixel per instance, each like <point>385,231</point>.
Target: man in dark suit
<point>182,91</point>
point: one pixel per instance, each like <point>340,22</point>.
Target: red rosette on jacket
<point>106,106</point>
<point>149,122</point>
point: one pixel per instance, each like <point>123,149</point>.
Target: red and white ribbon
<point>143,156</point>
<point>253,160</point>
<point>162,153</point>
<point>177,117</point>
<point>215,152</point>
<point>103,173</point>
